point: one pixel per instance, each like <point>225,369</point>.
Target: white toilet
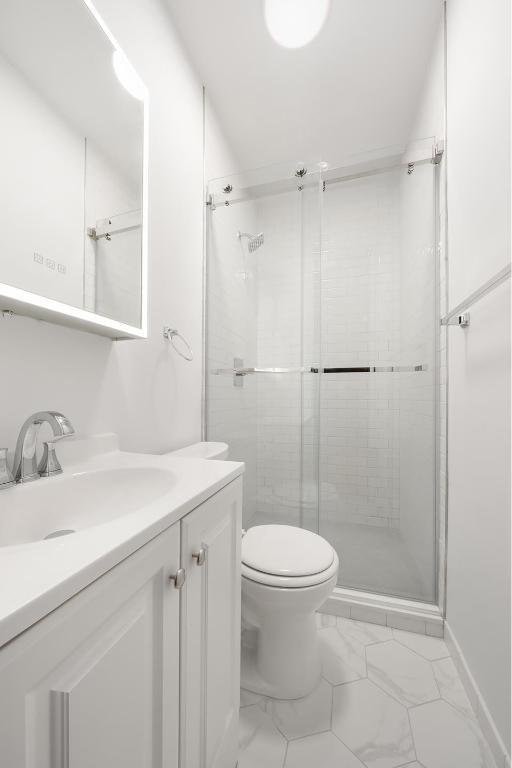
<point>287,573</point>
<point>203,450</point>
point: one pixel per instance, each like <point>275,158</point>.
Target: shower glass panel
<point>262,290</point>
<point>377,429</point>
<point>321,368</point>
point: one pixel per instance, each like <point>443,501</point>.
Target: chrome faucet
<point>25,466</point>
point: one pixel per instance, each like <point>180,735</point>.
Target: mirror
<point>72,188</point>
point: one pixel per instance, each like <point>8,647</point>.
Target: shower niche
<point>73,188</point>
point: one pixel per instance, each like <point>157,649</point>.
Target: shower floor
<point>372,558</point>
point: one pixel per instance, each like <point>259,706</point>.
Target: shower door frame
<point>401,613</point>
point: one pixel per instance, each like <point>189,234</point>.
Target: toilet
<point>287,573</point>
<point>205,450</point>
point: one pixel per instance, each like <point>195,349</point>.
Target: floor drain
<point>56,534</point>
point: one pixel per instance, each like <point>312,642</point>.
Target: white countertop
<point>39,576</point>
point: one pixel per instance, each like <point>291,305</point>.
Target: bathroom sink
<point>62,506</point>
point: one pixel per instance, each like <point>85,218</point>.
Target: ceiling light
<point>294,23</point>
<point>127,76</point>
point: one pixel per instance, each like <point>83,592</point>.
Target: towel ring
<point>170,334</point>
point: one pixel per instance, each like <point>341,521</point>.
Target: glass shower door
<point>378,388</point>
<point>262,336</point>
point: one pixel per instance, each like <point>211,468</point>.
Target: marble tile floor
<point>387,699</point>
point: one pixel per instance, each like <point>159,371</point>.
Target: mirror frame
<point>21,302</point>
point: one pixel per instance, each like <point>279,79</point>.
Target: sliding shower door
<point>321,360</point>
<point>263,334</point>
<point>378,389</point>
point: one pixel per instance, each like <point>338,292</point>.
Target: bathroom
<point>257,361</point>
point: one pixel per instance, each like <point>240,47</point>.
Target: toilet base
<point>251,680</point>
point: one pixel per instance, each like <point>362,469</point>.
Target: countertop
<point>39,576</point>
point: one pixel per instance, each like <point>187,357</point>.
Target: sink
<point>68,504</point>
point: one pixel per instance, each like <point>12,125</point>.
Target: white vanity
<point>119,642</point>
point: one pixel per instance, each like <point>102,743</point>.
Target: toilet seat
<point>285,556</point>
<point>290,582</point>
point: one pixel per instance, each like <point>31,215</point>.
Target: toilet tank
<point>205,450</point>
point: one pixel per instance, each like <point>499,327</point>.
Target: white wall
<point>140,389</point>
<point>478,593</point>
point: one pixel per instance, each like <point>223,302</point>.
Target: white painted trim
<point>408,615</point>
<point>481,710</point>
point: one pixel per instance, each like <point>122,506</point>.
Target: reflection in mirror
<point>71,186</point>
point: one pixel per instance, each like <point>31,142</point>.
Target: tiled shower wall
<point>360,316</point>
<point>287,337</point>
<point>359,455</point>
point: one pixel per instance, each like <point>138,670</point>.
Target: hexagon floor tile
<point>260,742</point>
<point>401,673</point>
<point>451,688</point>
<point>372,725</point>
<point>376,683</point>
<point>302,717</point>
<point>431,648</point>
<point>364,633</point>
<point>444,738</point>
<point>343,659</point>
<point>323,750</point>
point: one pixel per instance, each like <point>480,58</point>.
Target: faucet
<point>25,466</point>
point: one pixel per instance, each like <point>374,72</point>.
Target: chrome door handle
<point>200,556</point>
<point>178,578</point>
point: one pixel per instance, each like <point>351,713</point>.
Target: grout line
<point>347,747</point>
<point>425,703</point>
<point>285,754</point>
<point>309,735</point>
<point>412,735</point>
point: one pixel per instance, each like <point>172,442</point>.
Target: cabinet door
<point>210,632</point>
<point>96,683</point>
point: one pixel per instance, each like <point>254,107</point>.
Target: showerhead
<point>255,241</point>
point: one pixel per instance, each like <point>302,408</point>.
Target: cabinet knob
<point>179,578</point>
<point>200,556</point>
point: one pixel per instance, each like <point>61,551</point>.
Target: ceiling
<point>354,88</point>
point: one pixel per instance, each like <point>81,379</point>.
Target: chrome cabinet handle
<point>179,578</point>
<point>200,556</point>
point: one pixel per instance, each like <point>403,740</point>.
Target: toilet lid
<point>284,550</point>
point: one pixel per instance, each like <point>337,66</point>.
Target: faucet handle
<point>6,476</point>
<point>49,464</point>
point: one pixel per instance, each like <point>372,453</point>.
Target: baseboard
<point>482,713</point>
<point>395,612</point>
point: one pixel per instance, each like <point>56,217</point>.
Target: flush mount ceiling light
<point>295,23</point>
<point>127,76</point>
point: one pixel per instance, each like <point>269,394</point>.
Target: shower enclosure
<point>321,357</point>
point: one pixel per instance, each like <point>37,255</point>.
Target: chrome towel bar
<point>459,314</point>
<point>345,369</point>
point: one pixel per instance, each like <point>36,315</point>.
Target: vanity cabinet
<point>133,671</point>
<point>210,634</point>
